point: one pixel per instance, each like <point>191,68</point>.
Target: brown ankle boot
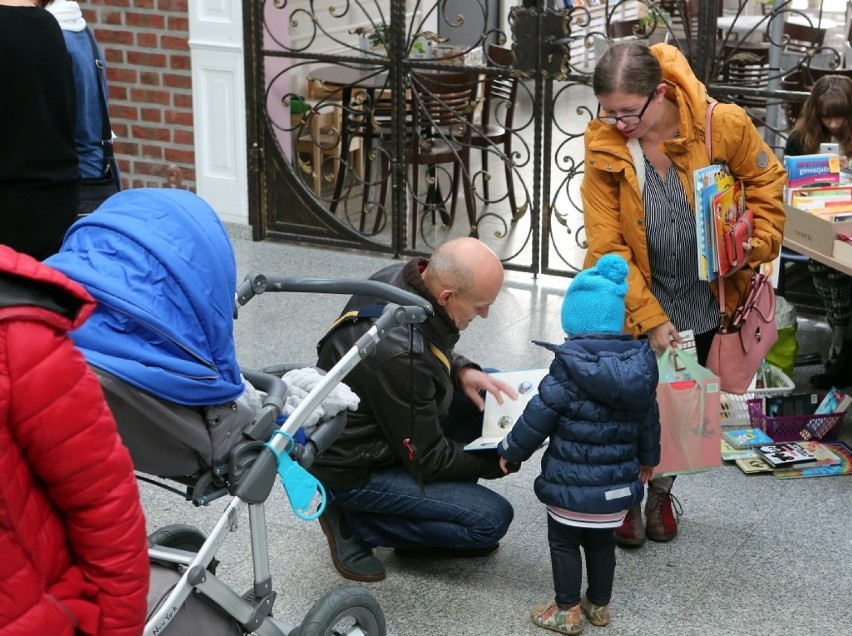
<point>632,531</point>
<point>661,510</point>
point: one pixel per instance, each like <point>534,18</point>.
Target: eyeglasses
<point>628,120</point>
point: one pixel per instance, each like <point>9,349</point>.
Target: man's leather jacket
<point>406,387</point>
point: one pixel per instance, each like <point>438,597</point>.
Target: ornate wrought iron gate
<point>363,136</point>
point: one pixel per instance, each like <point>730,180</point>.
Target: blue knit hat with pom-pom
<point>594,302</point>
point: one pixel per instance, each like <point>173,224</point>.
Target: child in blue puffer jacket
<point>598,407</point>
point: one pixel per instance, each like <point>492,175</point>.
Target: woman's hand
<point>645,473</point>
<point>662,336</point>
<point>747,250</point>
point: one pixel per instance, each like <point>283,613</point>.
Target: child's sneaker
<point>563,621</point>
<point>597,614</point>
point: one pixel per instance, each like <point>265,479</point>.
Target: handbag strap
<point>106,128</point>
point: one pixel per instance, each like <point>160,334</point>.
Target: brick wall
<point>146,48</point>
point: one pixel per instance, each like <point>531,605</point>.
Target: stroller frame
<point>251,482</point>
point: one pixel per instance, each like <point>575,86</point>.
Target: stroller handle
<point>256,283</point>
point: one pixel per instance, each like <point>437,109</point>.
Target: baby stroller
<point>161,266</point>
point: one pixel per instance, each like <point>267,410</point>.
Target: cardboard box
<point>842,252</point>
<point>813,231</point>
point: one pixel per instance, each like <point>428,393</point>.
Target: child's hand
<point>509,467</point>
<point>645,473</point>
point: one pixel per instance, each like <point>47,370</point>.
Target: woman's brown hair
<point>627,67</point>
<point>831,96</point>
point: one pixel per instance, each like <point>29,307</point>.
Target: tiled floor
<point>754,554</point>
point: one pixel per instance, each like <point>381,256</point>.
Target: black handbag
<point>93,192</point>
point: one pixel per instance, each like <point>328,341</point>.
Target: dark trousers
<point>599,548</point>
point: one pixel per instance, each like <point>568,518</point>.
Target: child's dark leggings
<point>599,548</point>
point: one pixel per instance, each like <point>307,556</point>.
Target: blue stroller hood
<point>161,266</point>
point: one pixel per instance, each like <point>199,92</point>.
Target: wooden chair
<point>493,126</point>
<point>802,38</point>
<point>442,107</point>
<point>318,134</point>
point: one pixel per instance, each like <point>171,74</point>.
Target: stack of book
<point>722,221</point>
<point>753,451</point>
<point>740,443</point>
<point>813,185</point>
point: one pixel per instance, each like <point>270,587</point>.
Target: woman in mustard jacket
<point>638,202</point>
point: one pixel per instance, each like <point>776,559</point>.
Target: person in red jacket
<point>72,534</point>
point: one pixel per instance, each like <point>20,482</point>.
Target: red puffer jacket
<point>72,534</point>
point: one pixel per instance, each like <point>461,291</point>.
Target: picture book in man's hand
<point>498,419</point>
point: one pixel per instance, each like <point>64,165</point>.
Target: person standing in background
<point>98,171</point>
<point>827,117</point>
<point>39,171</point>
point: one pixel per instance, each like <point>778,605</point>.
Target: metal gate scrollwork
<point>393,125</point>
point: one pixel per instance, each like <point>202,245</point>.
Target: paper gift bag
<point>690,413</point>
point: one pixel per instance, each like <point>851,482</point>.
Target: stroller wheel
<point>181,536</point>
<point>349,610</point>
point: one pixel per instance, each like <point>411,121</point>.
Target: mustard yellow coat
<point>612,201</point>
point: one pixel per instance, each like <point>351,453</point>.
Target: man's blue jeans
<point>390,510</point>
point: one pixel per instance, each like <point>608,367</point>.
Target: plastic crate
<point>787,428</point>
<point>735,411</point>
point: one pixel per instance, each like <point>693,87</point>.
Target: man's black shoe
<point>353,559</point>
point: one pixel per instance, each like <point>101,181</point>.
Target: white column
<point>219,106</point>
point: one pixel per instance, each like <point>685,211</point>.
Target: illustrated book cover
<point>741,438</point>
<point>753,465</point>
<point>835,401</point>
<point>730,454</point>
<point>733,225</point>
<point>785,454</point>
<point>498,419</point>
<point>839,448</point>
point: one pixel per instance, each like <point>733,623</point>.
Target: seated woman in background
<point>827,117</point>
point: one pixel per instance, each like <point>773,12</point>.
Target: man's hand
<point>662,336</point>
<point>472,381</point>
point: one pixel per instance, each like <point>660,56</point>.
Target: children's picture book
<point>791,404</point>
<point>753,465</point>
<point>839,448</point>
<point>740,438</point>
<point>498,419</point>
<point>733,225</point>
<point>835,401</point>
<point>785,454</point>
<point>706,182</point>
<point>730,454</point>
